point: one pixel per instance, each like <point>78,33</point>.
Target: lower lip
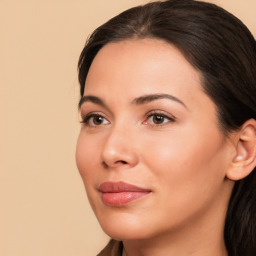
<point>122,198</point>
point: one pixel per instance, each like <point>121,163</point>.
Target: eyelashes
<point>153,118</point>
<point>94,119</point>
<point>158,118</point>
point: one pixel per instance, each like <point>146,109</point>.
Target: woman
<point>167,148</point>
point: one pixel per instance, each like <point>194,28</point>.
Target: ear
<point>244,160</point>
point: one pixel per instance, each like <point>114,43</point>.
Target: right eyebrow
<point>92,99</point>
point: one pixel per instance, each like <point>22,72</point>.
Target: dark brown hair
<point>222,48</point>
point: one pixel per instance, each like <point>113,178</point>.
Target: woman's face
<point>150,152</point>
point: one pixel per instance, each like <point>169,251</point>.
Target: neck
<point>198,248</point>
<point>181,244</point>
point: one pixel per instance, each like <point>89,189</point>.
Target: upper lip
<point>116,187</point>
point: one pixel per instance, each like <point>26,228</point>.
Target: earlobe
<point>244,160</point>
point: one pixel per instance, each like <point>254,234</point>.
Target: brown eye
<point>94,120</point>
<point>98,120</point>
<point>158,119</point>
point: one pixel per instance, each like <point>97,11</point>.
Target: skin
<point>182,159</point>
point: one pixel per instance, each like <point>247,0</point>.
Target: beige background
<point>43,207</point>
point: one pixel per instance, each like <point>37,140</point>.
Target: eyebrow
<point>138,101</point>
<point>151,97</point>
<point>92,99</point>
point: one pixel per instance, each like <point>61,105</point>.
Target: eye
<point>158,118</point>
<point>94,120</point>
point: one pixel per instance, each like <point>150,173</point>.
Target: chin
<point>125,227</point>
<point>122,234</point>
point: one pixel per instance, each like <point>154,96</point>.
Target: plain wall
<point>43,205</point>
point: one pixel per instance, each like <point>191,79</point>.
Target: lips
<point>120,193</point>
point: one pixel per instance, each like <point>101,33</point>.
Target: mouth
<point>120,193</point>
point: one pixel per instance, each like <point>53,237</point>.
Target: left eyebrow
<point>152,97</point>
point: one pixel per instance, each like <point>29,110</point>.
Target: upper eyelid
<point>93,113</point>
<point>84,113</point>
<point>87,109</point>
<point>91,102</point>
<point>161,112</point>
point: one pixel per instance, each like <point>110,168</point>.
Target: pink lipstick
<point>120,193</point>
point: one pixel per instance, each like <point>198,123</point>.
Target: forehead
<point>139,56</point>
<point>142,66</point>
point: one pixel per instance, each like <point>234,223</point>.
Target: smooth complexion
<point>148,123</point>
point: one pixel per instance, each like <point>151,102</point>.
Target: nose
<point>119,149</point>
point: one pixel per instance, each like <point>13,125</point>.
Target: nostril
<point>105,165</point>
<point>122,162</point>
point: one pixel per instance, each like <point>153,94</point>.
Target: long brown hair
<point>221,47</point>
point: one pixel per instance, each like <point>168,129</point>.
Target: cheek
<point>187,163</point>
<point>86,156</point>
<point>187,173</point>
<point>87,159</point>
